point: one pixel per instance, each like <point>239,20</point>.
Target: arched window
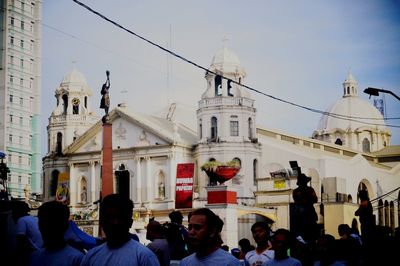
<point>54,182</point>
<point>366,146</point>
<point>255,171</point>
<point>214,128</point>
<point>349,198</point>
<point>338,142</point>
<point>59,143</point>
<point>200,129</point>
<point>230,87</point>
<point>218,85</point>
<point>65,101</point>
<point>250,128</point>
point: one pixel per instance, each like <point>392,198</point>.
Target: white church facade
<point>147,150</point>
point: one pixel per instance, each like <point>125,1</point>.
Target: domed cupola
<point>225,63</point>
<point>353,122</point>
<point>350,86</point>
<point>72,115</point>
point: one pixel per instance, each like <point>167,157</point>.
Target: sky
<point>298,51</point>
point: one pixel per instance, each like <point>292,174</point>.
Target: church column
<point>149,180</point>
<point>170,181</point>
<point>93,195</point>
<point>72,184</point>
<point>138,181</point>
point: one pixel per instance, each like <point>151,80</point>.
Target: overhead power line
<point>335,115</point>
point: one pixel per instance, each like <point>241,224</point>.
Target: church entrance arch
<point>122,181</point>
<point>246,218</point>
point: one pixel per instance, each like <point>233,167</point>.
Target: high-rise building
<point>20,72</point>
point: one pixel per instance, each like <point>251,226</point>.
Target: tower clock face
<point>75,101</point>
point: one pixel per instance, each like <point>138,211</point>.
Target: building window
<point>255,171</point>
<point>11,79</point>
<point>338,142</point>
<point>250,124</point>
<point>22,62</point>
<point>19,179</point>
<point>22,43</point>
<point>366,146</point>
<point>10,138</point>
<point>234,125</point>
<point>11,98</point>
<point>20,159</point>
<point>22,25</point>
<point>11,59</point>
<point>21,101</point>
<point>12,21</point>
<point>12,40</point>
<point>20,140</point>
<point>21,120</point>
<point>200,129</point>
<point>21,82</point>
<point>11,118</point>
<point>214,128</point>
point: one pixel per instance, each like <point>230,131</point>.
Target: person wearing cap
<point>305,217</point>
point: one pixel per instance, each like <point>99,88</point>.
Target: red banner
<point>184,185</point>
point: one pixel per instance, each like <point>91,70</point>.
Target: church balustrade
<point>63,118</point>
<point>226,101</point>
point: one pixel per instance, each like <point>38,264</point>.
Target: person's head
<point>363,195</point>
<point>53,222</point>
<point>19,209</point>
<point>235,252</point>
<point>176,217</point>
<point>116,218</point>
<point>261,232</point>
<point>245,245</point>
<point>282,240</point>
<point>302,179</point>
<point>154,230</point>
<point>204,230</point>
<point>344,230</point>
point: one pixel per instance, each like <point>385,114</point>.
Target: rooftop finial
<point>225,40</point>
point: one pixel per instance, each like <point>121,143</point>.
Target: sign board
<point>62,192</point>
<point>184,185</point>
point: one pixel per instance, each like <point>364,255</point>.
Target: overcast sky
<point>299,51</point>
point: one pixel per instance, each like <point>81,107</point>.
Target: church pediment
<point>132,130</point>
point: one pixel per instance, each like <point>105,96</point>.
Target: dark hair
<point>54,213</point>
<point>289,238</point>
<point>263,225</point>
<point>213,220</point>
<point>176,216</point>
<point>124,204</point>
<point>344,229</point>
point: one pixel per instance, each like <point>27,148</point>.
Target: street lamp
<point>375,92</point>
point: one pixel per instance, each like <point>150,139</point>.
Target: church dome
<point>359,114</point>
<point>226,61</point>
<point>74,77</point>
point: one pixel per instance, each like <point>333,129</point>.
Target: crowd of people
<point>44,240</point>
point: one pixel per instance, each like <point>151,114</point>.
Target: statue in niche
<point>83,192</point>
<point>161,190</point>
